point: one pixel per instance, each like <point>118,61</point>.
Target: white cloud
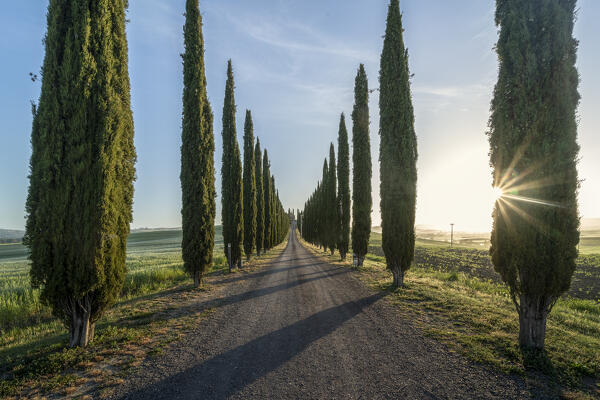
<point>296,37</point>
<point>454,91</point>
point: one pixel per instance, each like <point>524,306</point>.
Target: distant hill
<point>590,224</point>
<point>11,236</point>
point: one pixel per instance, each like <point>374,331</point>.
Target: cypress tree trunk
<point>343,169</point>
<point>398,275</point>
<point>533,312</point>
<point>249,187</point>
<point>79,205</point>
<point>197,154</point>
<point>398,151</point>
<point>534,151</point>
<point>81,329</point>
<point>231,173</point>
<point>361,157</point>
<point>260,203</point>
<point>197,278</point>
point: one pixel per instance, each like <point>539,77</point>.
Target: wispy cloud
<point>157,20</point>
<point>454,91</point>
<point>296,37</point>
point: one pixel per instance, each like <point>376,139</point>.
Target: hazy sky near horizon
<point>294,64</point>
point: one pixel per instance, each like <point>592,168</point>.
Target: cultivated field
<point>437,255</point>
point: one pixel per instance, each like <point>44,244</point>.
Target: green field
<point>153,262</point>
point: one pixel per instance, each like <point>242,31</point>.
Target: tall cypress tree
<point>267,201</point>
<point>249,187</point>
<point>533,132</point>
<point>231,173</point>
<point>333,227</point>
<point>273,209</point>
<point>398,150</point>
<point>197,153</point>
<point>260,202</point>
<point>79,204</point>
<point>343,206</point>
<point>324,213</point>
<point>361,157</point>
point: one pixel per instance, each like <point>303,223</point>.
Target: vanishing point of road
<point>301,328</point>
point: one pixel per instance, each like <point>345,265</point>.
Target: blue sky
<point>294,64</point>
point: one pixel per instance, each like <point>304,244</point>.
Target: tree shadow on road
<point>228,373</point>
<point>236,298</point>
<point>265,272</point>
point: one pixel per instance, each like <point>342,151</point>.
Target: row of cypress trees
<point>252,214</point>
<point>325,220</point>
<point>534,150</point>
<point>82,167</point>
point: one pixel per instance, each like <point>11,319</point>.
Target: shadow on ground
<point>226,374</point>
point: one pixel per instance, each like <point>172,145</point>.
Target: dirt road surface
<point>302,328</point>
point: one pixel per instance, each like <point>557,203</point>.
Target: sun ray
<point>522,175</point>
<point>532,200</point>
<point>528,218</point>
<point>537,184</point>
<point>506,216</point>
<point>517,157</point>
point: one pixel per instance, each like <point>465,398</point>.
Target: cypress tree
<point>398,150</point>
<point>231,173</point>
<point>343,170</point>
<point>361,157</point>
<point>82,167</point>
<point>533,131</point>
<point>197,153</point>
<point>273,209</point>
<point>323,212</point>
<point>332,204</point>
<point>249,187</point>
<point>267,201</point>
<point>260,205</point>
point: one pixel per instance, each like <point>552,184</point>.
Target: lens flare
<point>497,193</point>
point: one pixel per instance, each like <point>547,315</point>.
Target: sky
<point>294,64</point>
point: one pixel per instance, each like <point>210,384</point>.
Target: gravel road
<point>302,328</point>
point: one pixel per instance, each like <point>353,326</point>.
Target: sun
<point>497,193</point>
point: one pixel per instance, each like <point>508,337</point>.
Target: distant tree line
<point>249,213</point>
<point>325,220</point>
<point>82,167</point>
<point>252,215</point>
